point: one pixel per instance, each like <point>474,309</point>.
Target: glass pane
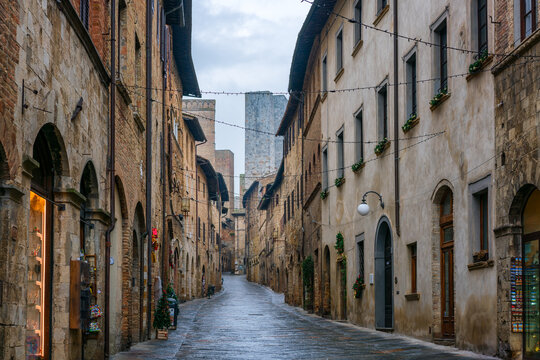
<point>36,276</point>
<point>446,208</point>
<point>531,287</point>
<point>446,283</point>
<point>448,234</point>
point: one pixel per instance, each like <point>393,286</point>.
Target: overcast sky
<point>243,45</point>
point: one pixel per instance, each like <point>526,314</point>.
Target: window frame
<point>523,17</point>
<point>382,110</point>
<point>340,152</point>
<point>359,134</point>
<point>360,248</point>
<point>480,199</point>
<point>413,257</point>
<point>411,77</point>
<point>357,10</point>
<point>85,14</point>
<point>325,167</point>
<point>482,15</point>
<point>339,50</point>
<point>324,73</point>
<point>381,4</point>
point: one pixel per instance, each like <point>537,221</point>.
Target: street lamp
<point>363,208</point>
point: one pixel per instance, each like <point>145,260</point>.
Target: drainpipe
<point>112,113</point>
<point>165,242</point>
<point>149,162</point>
<point>396,118</point>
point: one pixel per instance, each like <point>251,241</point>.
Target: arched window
<point>446,225</point>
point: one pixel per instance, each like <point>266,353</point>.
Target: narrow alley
<point>248,321</point>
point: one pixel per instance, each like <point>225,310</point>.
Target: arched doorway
<point>89,189</point>
<point>327,304</point>
<point>531,275</point>
<point>137,274</point>
<point>49,152</point>
<point>384,300</point>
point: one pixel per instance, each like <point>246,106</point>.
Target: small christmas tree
<point>171,293</point>
<point>161,316</point>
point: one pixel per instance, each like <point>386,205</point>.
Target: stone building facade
<point>64,202</point>
<point>517,177</point>
<point>263,150</point>
<point>205,111</point>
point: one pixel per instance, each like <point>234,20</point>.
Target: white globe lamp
<point>363,209</point>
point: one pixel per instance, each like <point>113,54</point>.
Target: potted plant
<point>358,165</point>
<point>480,60</point>
<point>324,194</point>
<point>339,181</point>
<point>481,255</point>
<point>381,146</point>
<point>438,97</point>
<point>340,247</point>
<point>358,286</point>
<point>410,123</point>
<point>162,319</point>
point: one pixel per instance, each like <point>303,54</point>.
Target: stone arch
<point>327,301</point>
<point>515,212</point>
<point>443,191</point>
<point>4,165</point>
<point>53,142</point>
<point>89,188</point>
<point>384,275</point>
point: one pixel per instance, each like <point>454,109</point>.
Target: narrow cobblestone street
<point>247,321</point>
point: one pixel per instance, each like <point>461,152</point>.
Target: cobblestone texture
<point>247,321</point>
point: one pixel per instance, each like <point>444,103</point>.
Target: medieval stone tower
<point>264,112</point>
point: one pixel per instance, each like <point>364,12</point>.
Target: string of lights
<point>198,116</point>
<point>335,91</point>
<point>414,39</point>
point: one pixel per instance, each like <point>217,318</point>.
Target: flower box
<point>481,255</point>
<point>439,98</point>
<point>382,146</point>
<point>358,166</point>
<point>324,194</point>
<point>339,181</point>
<point>411,122</point>
<point>162,334</point>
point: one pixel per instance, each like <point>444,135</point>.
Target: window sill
<point>412,297</point>
<point>412,125</point>
<point>324,96</point>
<point>339,74</point>
<point>357,48</point>
<point>123,91</point>
<point>486,62</point>
<point>481,265</point>
<point>443,99</point>
<point>386,146</point>
<point>381,14</point>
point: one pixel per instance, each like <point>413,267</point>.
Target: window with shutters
<point>412,100</point>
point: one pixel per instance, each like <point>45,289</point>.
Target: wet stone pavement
<point>247,321</point>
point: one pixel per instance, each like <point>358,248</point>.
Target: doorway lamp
<point>363,208</point>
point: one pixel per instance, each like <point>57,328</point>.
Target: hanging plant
<point>358,165</point>
<point>358,286</point>
<point>410,123</point>
<point>324,194</point>
<point>381,146</point>
<point>438,97</point>
<point>340,245</point>
<point>339,181</point>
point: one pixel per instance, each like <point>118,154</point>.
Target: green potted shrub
<point>438,97</point>
<point>324,194</point>
<point>410,123</point>
<point>358,286</point>
<point>358,165</point>
<point>162,319</point>
<point>381,146</point>
<point>477,65</point>
<point>339,181</point>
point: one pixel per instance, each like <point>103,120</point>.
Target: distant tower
<point>264,112</point>
<point>205,111</point>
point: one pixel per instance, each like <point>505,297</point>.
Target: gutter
<point>112,140</point>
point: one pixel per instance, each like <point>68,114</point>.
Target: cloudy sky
<point>243,45</point>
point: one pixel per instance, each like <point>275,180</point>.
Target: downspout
<point>165,242</point>
<point>396,118</point>
<point>149,163</point>
<point>197,221</point>
<point>112,140</point>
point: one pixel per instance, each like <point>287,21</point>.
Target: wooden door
<point>447,267</point>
